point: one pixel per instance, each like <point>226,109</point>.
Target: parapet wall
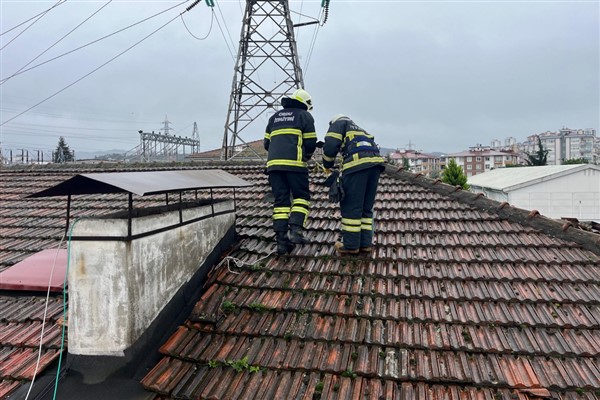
<point>117,288</point>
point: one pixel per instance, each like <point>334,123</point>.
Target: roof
<point>507,179</point>
<point>143,183</point>
<point>482,153</point>
<point>462,298</point>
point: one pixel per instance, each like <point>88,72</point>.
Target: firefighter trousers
<point>286,210</point>
<point>356,206</point>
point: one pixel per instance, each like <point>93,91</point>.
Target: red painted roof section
<point>462,298</point>
<point>37,272</point>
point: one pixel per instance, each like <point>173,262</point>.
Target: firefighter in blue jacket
<point>361,166</point>
<point>290,139</point>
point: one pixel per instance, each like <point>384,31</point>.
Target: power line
<point>58,41</point>
<point>312,45</point>
<point>209,29</point>
<point>35,16</point>
<point>92,71</point>
<point>226,27</point>
<point>226,42</point>
<point>99,39</point>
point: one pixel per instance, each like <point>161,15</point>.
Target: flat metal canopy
<point>144,182</point>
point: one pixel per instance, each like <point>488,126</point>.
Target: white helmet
<point>303,97</point>
<point>336,117</point>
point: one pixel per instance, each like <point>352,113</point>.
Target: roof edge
<point>587,240</point>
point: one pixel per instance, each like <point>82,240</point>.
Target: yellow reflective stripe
<point>287,131</point>
<point>366,160</point>
<point>366,227</point>
<point>267,136</point>
<point>348,228</point>
<point>299,149</point>
<point>300,210</point>
<point>350,221</point>
<point>334,135</point>
<point>286,163</point>
<point>280,216</point>
<point>281,209</point>
<point>309,135</point>
<point>366,220</point>
<point>301,201</point>
<point>328,158</point>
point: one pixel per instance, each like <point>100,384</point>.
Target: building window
<point>477,158</point>
<point>487,166</point>
<point>469,166</point>
<point>469,159</point>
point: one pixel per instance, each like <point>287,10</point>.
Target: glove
<point>332,177</point>
<point>336,192</point>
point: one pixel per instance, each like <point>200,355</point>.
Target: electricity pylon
<point>267,46</point>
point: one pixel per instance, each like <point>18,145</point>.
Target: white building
<point>556,191</point>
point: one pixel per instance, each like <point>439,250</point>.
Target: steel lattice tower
<point>267,48</point>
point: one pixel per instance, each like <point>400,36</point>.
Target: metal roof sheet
<point>144,183</point>
<point>44,269</point>
<point>506,178</point>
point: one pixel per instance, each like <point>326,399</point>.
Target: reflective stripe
<point>334,135</point>
<point>286,163</point>
<point>280,216</point>
<point>351,221</point>
<point>267,136</point>
<point>366,220</point>
<point>366,227</point>
<point>349,228</point>
<point>301,201</point>
<point>366,160</point>
<point>281,209</point>
<point>300,210</point>
<point>287,131</point>
<point>310,135</point>
<point>326,158</point>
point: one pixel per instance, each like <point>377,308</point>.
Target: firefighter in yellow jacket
<point>290,140</point>
<point>361,166</point>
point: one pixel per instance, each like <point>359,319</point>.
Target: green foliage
<point>405,163</point>
<point>63,153</point>
<point>213,364</point>
<point>576,161</point>
<point>319,387</point>
<point>540,157</point>
<point>349,373</point>
<point>228,307</point>
<point>242,365</point>
<point>453,175</point>
<point>259,307</point>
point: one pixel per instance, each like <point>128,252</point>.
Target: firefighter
<point>290,140</point>
<point>361,166</point>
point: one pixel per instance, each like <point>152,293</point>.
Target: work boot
<point>284,246</point>
<point>296,235</point>
<point>339,246</point>
<point>366,249</point>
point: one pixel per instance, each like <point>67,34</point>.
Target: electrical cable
<point>91,72</point>
<point>312,46</point>
<point>226,42</point>
<point>35,16</point>
<point>30,25</point>
<point>55,43</point>
<point>99,39</point>
<point>209,29</point>
<point>226,27</point>
<point>37,364</point>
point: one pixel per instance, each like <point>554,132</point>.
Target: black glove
<point>333,177</point>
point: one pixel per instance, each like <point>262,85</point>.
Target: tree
<point>453,175</point>
<point>540,157</point>
<point>405,163</point>
<point>62,153</point>
<point>576,161</point>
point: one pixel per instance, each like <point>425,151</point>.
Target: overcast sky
<point>440,75</point>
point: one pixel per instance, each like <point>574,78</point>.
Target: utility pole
<point>267,45</point>
<point>196,138</point>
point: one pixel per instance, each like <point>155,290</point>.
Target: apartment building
<point>479,159</point>
<point>566,144</point>
<point>418,162</point>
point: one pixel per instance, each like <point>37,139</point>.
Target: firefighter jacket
<point>290,137</point>
<point>358,148</point>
